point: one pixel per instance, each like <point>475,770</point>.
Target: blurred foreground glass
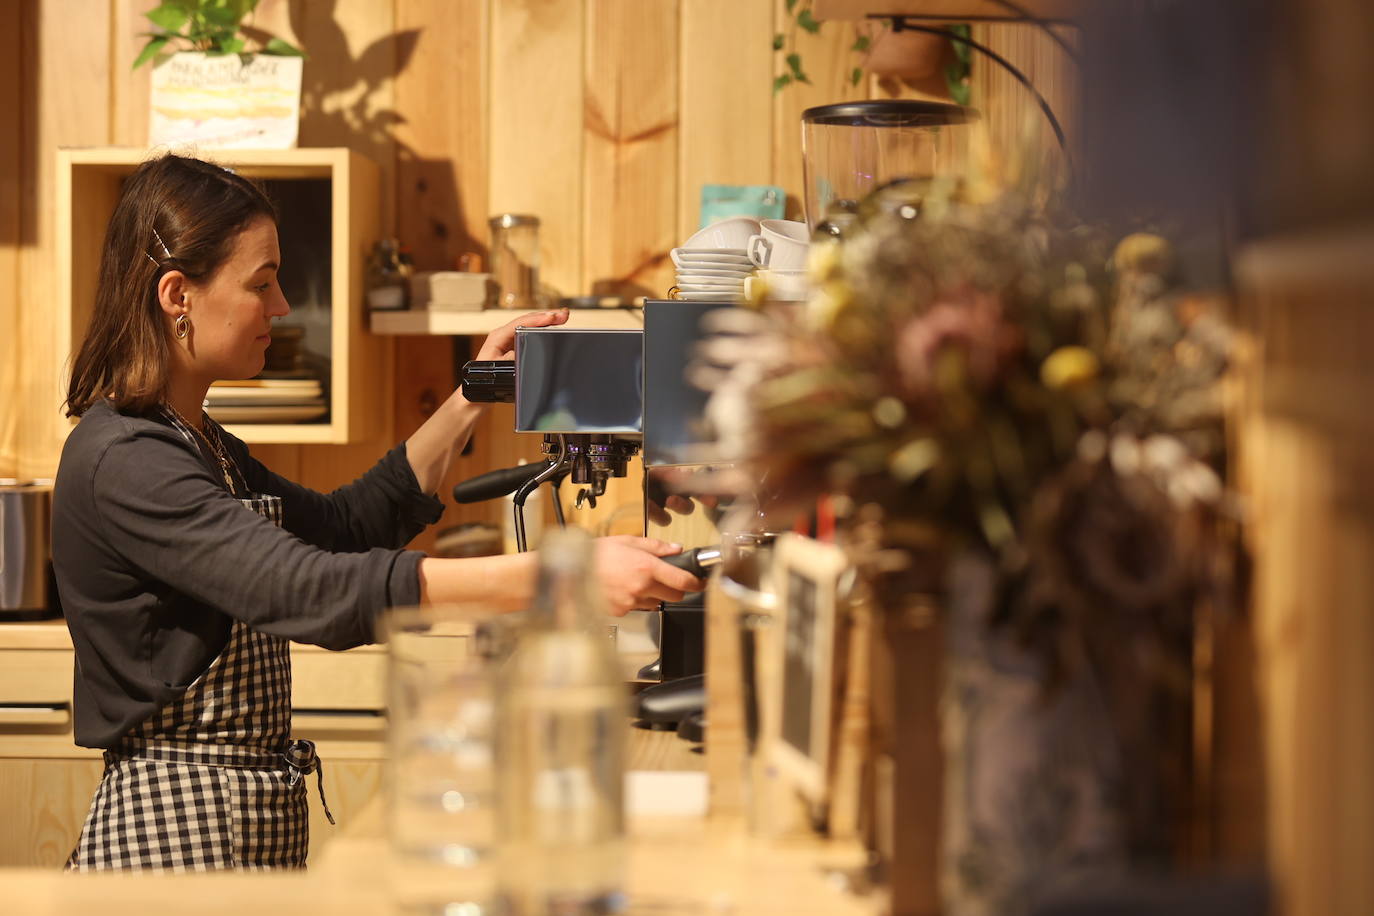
<point>439,759</point>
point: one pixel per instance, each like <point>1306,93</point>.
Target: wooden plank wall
<point>603,117</point>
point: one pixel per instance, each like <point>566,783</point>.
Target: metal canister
<point>25,547</point>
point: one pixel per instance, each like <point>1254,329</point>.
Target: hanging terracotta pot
<point>915,59</point>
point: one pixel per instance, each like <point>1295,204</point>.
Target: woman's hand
<point>632,575</point>
<point>500,343</point>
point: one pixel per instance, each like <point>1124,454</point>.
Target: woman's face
<point>232,314</point>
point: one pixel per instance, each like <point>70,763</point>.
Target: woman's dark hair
<point>174,213</point>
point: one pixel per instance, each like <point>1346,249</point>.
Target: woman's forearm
<point>499,584</point>
<point>432,448</point>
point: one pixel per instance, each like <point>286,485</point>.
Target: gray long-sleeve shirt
<point>154,559</point>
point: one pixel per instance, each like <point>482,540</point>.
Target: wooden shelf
<point>339,206</point>
<point>946,10</point>
<point>484,322</point>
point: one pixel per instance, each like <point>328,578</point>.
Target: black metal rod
<point>899,24</point>
<point>528,487</point>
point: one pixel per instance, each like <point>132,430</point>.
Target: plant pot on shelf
<point>914,59</point>
<point>226,101</point>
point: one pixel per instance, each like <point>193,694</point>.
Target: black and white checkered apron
<point>213,780</point>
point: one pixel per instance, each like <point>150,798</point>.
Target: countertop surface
<point>677,865</point>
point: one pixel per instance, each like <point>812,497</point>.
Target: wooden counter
<point>677,865</point>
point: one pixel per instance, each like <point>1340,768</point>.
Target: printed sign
<point>226,101</point>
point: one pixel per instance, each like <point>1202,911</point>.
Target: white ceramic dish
<point>724,234</point>
<point>711,254</point>
<point>712,297</point>
<point>690,275</point>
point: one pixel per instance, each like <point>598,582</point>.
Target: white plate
<point>706,274</point>
<point>711,297</point>
<point>710,253</point>
<point>267,414</point>
<point>703,281</point>
<point>699,280</point>
<point>687,257</point>
<point>714,263</point>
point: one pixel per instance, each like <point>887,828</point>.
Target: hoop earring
<point>182,326</point>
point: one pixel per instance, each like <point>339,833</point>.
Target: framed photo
<point>808,580</point>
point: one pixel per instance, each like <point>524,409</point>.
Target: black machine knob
<point>489,381</point>
<point>698,561</point>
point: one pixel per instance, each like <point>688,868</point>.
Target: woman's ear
<point>171,293</point>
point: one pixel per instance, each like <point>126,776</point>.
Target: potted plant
<point>211,86</point>
<point>929,63</point>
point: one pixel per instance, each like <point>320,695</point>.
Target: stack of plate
<point>712,274</point>
<point>288,398</point>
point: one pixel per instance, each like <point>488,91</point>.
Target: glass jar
<point>515,260</point>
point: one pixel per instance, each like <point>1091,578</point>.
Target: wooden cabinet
<point>328,205</point>
<point>47,782</point>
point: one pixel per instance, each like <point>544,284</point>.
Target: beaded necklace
<point>213,444</point>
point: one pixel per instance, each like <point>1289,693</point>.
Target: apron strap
<point>301,760</point>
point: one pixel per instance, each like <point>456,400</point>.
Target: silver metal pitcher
<point>25,546</point>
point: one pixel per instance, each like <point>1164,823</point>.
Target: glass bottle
<point>560,746</point>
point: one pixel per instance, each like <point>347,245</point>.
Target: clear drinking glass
<point>439,757</point>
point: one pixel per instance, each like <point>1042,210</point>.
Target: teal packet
<point>721,201</point>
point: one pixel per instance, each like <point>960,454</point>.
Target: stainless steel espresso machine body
<point>598,397</point>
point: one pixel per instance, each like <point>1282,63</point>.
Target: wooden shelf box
<point>327,198</point>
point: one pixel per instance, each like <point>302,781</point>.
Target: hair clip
<point>151,258</point>
<point>162,243</point>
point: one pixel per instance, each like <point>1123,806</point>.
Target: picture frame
<point>808,581</point>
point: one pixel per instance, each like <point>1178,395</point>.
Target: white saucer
<point>711,297</point>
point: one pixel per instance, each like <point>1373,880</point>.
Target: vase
<point>225,101</point>
<point>1033,794</point>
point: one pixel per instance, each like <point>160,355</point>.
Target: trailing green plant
<point>801,17</point>
<point>211,26</point>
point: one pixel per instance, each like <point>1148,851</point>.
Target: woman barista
<point>186,567</point>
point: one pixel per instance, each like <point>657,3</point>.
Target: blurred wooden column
<point>1308,452</point>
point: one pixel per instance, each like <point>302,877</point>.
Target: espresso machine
<point>601,399</point>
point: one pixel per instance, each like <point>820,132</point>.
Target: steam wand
<point>529,486</point>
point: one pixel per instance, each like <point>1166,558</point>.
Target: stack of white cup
<point>713,264</point>
<point>779,250</point>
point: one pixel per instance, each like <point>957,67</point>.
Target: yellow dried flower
<point>1144,252</point>
<point>1069,367</point>
<point>823,261</point>
<point>826,304</point>
<point>913,459</point>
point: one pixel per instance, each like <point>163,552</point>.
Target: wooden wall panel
<point>348,98</point>
<point>441,192</point>
<point>536,127</point>
<point>129,87</point>
<point>828,61</point>
<point>630,109</point>
<point>16,91</point>
<point>70,107</point>
<point>1011,117</point>
<point>726,114</point>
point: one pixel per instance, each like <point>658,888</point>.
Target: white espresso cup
<point>781,244</point>
<point>727,234</point>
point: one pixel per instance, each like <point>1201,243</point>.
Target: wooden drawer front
<point>35,677</point>
<point>352,680</point>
